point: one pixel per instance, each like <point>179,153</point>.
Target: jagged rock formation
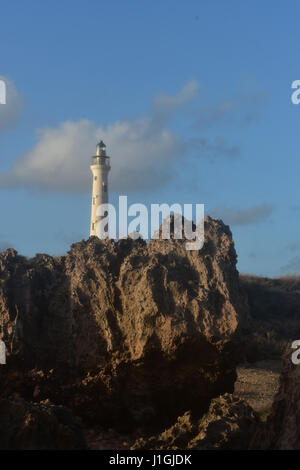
<point>124,333</point>
<point>282,429</point>
<point>38,426</point>
<point>229,424</point>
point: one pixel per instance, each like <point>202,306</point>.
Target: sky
<point>193,100</point>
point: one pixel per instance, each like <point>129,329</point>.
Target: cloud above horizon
<point>144,150</point>
<point>168,104</point>
<point>10,112</point>
<point>60,159</point>
<point>251,215</point>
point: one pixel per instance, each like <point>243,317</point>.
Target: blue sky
<point>196,96</point>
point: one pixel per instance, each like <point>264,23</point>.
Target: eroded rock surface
<point>229,424</point>
<point>127,333</point>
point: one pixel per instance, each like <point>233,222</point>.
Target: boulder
<point>127,333</point>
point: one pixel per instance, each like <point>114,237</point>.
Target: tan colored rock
<point>134,333</point>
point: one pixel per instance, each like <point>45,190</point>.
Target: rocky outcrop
<point>125,333</point>
<point>282,429</point>
<point>38,426</point>
<point>229,424</point>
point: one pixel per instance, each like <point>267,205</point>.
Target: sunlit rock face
<point>129,333</point>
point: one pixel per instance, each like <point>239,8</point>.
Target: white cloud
<point>166,104</point>
<point>141,150</point>
<point>140,154</point>
<point>9,112</point>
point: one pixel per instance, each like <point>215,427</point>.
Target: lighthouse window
<point>94,200</point>
<point>104,187</point>
<point>96,178</point>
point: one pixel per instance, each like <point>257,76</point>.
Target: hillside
<point>275,315</point>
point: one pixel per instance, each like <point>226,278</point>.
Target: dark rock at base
<point>38,426</point>
<point>282,429</point>
<point>228,424</point>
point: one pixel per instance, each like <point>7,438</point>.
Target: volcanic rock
<point>124,333</point>
<point>229,424</point>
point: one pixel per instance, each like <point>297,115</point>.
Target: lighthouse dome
<point>101,149</point>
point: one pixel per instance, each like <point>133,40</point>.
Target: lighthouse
<point>100,168</point>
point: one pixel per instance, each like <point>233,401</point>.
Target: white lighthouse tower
<point>100,168</point>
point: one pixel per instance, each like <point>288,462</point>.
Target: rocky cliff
<point>125,333</point>
<point>282,429</point>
